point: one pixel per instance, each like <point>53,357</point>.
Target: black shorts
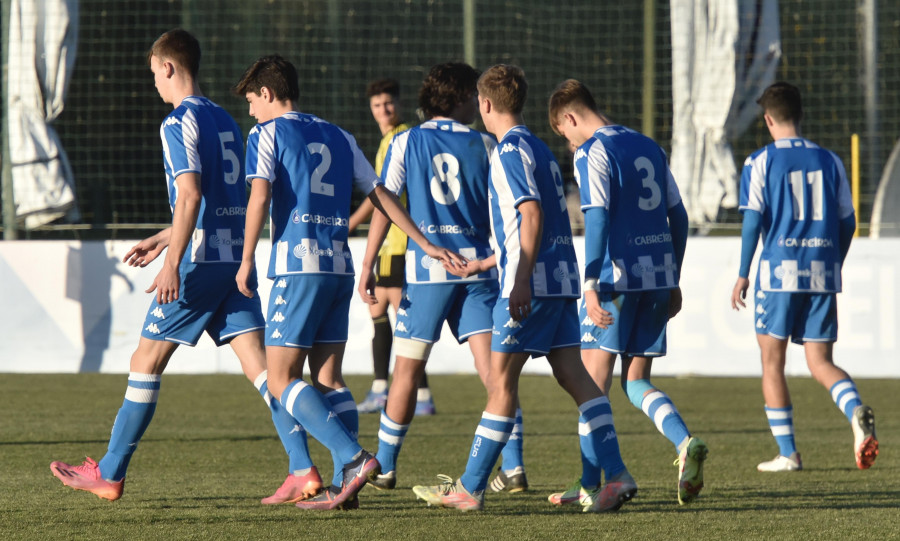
<point>395,275</point>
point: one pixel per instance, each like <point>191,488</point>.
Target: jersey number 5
<point>228,155</point>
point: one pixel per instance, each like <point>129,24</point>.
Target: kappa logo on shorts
<point>760,295</point>
<point>152,328</point>
<point>588,338</point>
<point>158,313</point>
<point>587,321</point>
<point>760,309</point>
<point>760,324</point>
<point>512,324</point>
<point>401,312</point>
<point>276,334</point>
<point>281,283</point>
<point>278,317</point>
<point>280,300</point>
<point>509,341</point>
<point>401,327</point>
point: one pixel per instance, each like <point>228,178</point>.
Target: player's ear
<point>169,69</point>
<point>569,117</point>
<point>769,120</point>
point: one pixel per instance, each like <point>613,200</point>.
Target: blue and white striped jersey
<point>313,166</point>
<point>524,169</point>
<point>627,173</point>
<point>443,166</point>
<point>801,191</point>
<point>201,137</point>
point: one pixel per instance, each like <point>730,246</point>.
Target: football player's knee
<point>412,349</point>
<point>636,389</point>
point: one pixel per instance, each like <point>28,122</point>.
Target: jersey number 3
<point>648,180</point>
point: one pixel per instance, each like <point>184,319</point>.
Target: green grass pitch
<point>211,454</point>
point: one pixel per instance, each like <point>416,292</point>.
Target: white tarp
<point>42,39</point>
<point>724,53</point>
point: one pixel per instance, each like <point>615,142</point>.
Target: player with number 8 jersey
<point>449,202</point>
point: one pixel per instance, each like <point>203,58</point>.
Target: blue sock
<point>311,409</point>
<point>390,439</point>
<point>659,408</point>
<point>599,444</point>
<point>846,397</point>
<point>491,435</point>
<point>781,422</point>
<point>132,420</point>
<point>512,452</point>
<point>291,434</point>
<point>342,402</point>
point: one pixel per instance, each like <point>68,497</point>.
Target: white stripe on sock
<point>782,430</point>
<point>386,421</point>
<point>491,434</point>
<point>260,379</point>
<point>839,388</point>
<point>295,390</point>
<point>591,425</point>
<point>779,414</point>
<point>390,439</point>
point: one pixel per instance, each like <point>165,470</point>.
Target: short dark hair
<point>505,86</point>
<point>179,47</point>
<point>446,86</point>
<point>272,72</point>
<point>570,94</point>
<point>782,102</point>
<point>383,86</point>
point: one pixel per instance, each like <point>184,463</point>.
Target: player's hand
<point>142,253</point>
<point>520,301</point>
<point>471,267</point>
<point>243,280</point>
<point>598,315</point>
<point>739,293</point>
<point>166,284</point>
<point>366,288</point>
<point>675,301</point>
<point>449,258</point>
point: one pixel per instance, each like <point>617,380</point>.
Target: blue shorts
<point>308,309</point>
<point>639,326</point>
<point>552,324</point>
<point>466,307</point>
<point>208,300</point>
<point>802,317</point>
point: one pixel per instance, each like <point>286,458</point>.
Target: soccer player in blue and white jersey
<point>795,193</point>
<point>302,170</point>
<point>536,313</point>
<point>195,289</point>
<point>442,165</point>
<point>635,235</point>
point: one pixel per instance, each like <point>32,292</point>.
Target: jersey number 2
<point>315,182</point>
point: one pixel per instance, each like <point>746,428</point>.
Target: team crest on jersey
<point>152,328</point>
<point>587,338</point>
<point>508,147</point>
<point>560,275</point>
<point>428,262</point>
<point>158,313</point>
<point>278,317</point>
<point>300,251</point>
